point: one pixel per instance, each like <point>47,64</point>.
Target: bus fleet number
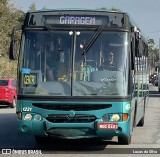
<point>29,79</point>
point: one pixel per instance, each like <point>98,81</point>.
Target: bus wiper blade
<point>49,28</point>
<point>92,40</point>
<point>93,94</point>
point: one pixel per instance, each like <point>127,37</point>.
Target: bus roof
<point>74,9</point>
<point>77,17</point>
<point>126,15</point>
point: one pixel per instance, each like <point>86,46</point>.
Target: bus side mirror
<point>13,51</point>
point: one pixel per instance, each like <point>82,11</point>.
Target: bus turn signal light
<point>125,116</point>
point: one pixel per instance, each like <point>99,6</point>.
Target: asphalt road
<point>144,140</point>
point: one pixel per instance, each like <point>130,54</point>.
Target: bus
<point>63,92</point>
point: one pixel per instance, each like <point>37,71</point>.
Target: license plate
<point>106,125</point>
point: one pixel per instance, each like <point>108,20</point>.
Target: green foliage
<point>111,9</point>
<point>153,53</point>
<point>9,17</point>
<point>44,8</point>
<point>103,8</point>
<point>32,7</point>
<point>116,9</point>
<point>4,2</point>
<point>21,17</point>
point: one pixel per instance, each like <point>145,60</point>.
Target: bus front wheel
<point>124,140</point>
<point>141,122</point>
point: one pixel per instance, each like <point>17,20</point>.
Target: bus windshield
<point>53,63</point>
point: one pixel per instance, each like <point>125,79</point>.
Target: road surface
<point>147,137</point>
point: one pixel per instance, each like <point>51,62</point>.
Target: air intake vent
<point>75,107</point>
<point>66,119</point>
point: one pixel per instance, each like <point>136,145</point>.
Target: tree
<point>111,9</point>
<point>9,17</point>
<point>4,2</point>
<point>103,8</point>
<point>151,43</point>
<point>153,53</point>
<point>44,8</point>
<point>21,16</point>
<point>32,7</point>
<point>116,9</point>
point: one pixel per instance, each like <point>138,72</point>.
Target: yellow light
<point>125,116</point>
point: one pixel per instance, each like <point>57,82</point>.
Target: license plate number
<point>104,125</point>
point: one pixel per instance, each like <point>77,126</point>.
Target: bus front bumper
<point>96,129</point>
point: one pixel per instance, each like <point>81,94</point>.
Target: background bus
<point>65,88</point>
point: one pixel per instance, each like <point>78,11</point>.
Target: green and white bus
<point>80,100</point>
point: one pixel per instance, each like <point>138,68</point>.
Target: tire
<point>141,122</point>
<point>14,103</point>
<point>135,113</point>
<point>125,140</point>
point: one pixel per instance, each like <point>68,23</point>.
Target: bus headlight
<point>115,117</point>
<point>105,117</point>
<point>37,117</point>
<point>28,116</point>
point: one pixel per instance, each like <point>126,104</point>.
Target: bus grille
<point>75,107</point>
<point>66,119</point>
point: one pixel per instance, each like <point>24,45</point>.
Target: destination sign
<point>77,20</point>
<point>108,19</point>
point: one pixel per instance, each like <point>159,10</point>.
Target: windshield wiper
<point>92,40</point>
<point>49,28</point>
